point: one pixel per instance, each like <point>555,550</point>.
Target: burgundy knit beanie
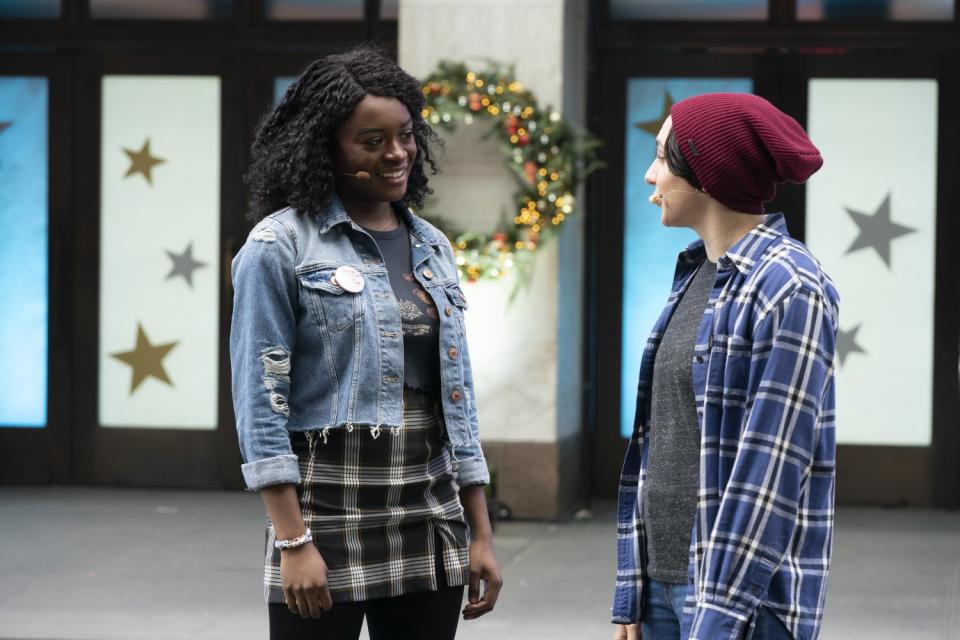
<point>740,147</point>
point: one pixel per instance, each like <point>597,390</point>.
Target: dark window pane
<point>389,9</point>
<point>689,9</point>
<point>875,10</point>
<point>161,9</point>
<point>280,85</point>
<point>314,9</point>
<point>29,9</point>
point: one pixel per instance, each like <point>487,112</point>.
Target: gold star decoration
<point>142,162</point>
<point>146,360</point>
<point>653,126</point>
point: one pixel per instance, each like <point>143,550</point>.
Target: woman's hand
<point>483,567</point>
<point>627,632</point>
<point>302,569</point>
<point>483,564</point>
<point>304,576</point>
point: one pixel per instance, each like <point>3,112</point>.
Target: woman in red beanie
<point>726,495</point>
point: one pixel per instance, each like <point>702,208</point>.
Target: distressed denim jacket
<point>308,356</point>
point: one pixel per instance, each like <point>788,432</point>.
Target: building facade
<point>125,130</point>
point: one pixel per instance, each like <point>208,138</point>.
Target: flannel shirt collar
<point>746,251</point>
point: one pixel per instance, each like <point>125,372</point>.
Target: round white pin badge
<point>349,279</point>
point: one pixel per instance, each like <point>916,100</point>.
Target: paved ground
<point>90,564</point>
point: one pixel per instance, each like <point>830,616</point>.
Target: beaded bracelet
<point>293,543</point>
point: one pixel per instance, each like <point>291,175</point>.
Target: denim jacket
<point>309,356</point>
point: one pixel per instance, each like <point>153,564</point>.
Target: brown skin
<point>302,570</point>
<point>627,632</point>
<point>483,564</point>
<point>377,138</point>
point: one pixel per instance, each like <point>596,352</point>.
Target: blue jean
<point>663,615</point>
<point>662,610</point>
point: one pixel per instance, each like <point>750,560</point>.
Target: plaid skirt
<point>383,507</point>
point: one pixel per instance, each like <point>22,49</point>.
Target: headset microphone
<point>359,175</point>
<point>657,199</point>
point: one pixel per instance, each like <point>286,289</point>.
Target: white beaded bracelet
<point>293,543</point>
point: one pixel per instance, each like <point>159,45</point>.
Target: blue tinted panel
<point>650,249</point>
<point>314,9</point>
<point>689,9</point>
<point>29,8</point>
<point>160,9</point>
<point>280,85</point>
<point>875,10</point>
<point>23,250</point>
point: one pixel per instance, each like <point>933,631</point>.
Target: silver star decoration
<point>184,264</point>
<point>847,343</point>
<point>877,230</point>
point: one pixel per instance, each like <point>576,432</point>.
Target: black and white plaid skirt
<point>383,507</point>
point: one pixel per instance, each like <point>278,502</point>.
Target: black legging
<point>425,615</point>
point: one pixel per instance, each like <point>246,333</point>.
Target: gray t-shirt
<point>673,464</point>
<point>419,319</point>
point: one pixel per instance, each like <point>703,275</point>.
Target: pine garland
<point>548,156</point>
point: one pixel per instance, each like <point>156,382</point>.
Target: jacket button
<point>448,311</point>
<point>427,274</point>
<point>452,352</point>
<point>455,396</point>
<point>699,359</point>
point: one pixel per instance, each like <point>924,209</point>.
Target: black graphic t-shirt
<point>418,315</point>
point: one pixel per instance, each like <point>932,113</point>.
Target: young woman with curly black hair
<point>352,383</point>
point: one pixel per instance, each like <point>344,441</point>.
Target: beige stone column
<point>527,355</point>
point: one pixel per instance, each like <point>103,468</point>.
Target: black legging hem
<point>423,615</point>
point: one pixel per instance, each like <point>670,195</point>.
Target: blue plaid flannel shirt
<point>763,375</point>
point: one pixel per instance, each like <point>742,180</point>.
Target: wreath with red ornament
<point>548,156</point>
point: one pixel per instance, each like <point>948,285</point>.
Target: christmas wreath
<point>548,156</point>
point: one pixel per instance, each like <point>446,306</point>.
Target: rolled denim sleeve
<point>262,337</point>
<point>470,461</point>
<point>471,465</point>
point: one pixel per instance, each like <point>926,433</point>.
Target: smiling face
<point>377,138</point>
<point>679,203</point>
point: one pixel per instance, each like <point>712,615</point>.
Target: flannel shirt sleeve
<point>791,365</point>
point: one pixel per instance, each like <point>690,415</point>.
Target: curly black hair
<point>292,154</point>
